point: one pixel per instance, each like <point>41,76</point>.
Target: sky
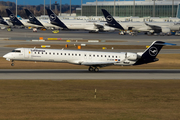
<point>38,2</point>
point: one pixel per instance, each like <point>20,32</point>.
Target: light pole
<point>44,7</point>
<point>172,8</point>
<point>81,7</point>
<point>70,7</point>
<point>114,8</point>
<point>60,7</point>
<point>134,8</point>
<point>16,8</point>
<point>154,9</point>
<point>50,5</point>
<point>96,7</point>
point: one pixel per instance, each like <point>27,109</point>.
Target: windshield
<point>16,51</point>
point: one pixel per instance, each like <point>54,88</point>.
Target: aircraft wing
<point>99,26</point>
<point>154,27</point>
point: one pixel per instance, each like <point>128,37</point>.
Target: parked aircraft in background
<point>43,23</point>
<point>2,22</point>
<point>78,24</point>
<point>151,27</point>
<point>17,22</point>
<point>93,59</point>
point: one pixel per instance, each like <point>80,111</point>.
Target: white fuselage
<point>26,24</point>
<point>47,24</point>
<point>73,56</point>
<point>85,25</point>
<point>141,26</point>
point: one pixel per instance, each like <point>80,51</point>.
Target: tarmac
<point>24,36</point>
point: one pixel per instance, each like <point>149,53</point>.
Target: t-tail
<point>32,18</point>
<point>2,21</point>
<point>55,20</point>
<point>149,55</point>
<point>111,21</point>
<point>13,18</point>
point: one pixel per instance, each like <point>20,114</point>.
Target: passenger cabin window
<point>79,54</point>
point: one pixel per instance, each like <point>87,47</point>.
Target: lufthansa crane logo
<point>31,17</point>
<point>52,17</point>
<point>12,16</point>
<point>109,18</point>
<point>153,51</point>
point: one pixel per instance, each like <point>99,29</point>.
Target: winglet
<point>55,20</point>
<point>111,21</point>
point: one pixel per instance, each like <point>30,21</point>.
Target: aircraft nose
<point>5,56</point>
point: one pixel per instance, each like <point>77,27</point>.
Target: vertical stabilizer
<point>151,52</point>
<point>2,21</point>
<point>32,18</point>
<point>55,20</point>
<point>13,18</point>
<point>111,21</point>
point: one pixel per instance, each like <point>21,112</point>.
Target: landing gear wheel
<point>12,64</point>
<point>90,69</point>
<point>96,69</point>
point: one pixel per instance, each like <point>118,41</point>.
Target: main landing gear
<point>12,64</point>
<point>93,69</point>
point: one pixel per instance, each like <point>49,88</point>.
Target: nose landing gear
<point>93,69</point>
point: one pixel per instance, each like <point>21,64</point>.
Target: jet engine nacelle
<point>166,30</point>
<point>107,28</point>
<point>132,56</point>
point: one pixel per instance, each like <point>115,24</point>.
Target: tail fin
<point>13,18</point>
<point>2,21</point>
<point>150,53</point>
<point>32,18</point>
<point>55,20</point>
<point>111,21</point>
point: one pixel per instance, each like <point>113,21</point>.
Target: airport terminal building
<point>147,8</point>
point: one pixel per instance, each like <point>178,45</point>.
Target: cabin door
<point>26,53</point>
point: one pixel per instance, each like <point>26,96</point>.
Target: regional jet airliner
<point>93,59</point>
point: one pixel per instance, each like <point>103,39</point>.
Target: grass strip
<point>74,99</point>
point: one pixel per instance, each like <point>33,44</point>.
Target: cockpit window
<point>16,51</point>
